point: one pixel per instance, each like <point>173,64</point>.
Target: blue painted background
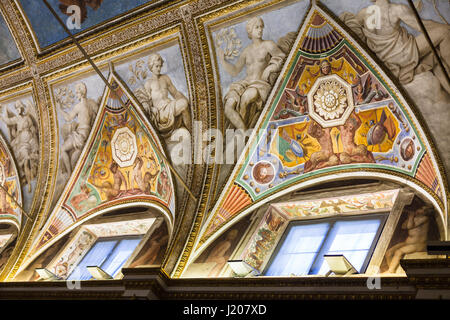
<point>49,31</point>
<point>8,49</point>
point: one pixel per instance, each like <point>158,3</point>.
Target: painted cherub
<point>325,157</point>
<point>353,152</point>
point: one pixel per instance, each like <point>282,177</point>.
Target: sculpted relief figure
<point>24,139</point>
<point>170,115</point>
<point>165,113</point>
<point>77,128</point>
<point>262,60</point>
<point>404,54</point>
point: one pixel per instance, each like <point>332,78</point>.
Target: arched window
<point>304,244</point>
<point>109,254</point>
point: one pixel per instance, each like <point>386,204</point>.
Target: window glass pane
<point>95,257</point>
<point>298,250</point>
<point>119,256</point>
<point>353,239</point>
<point>353,235</point>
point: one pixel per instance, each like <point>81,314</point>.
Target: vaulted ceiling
<point>198,45</point>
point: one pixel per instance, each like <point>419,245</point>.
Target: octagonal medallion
<point>124,147</point>
<point>330,101</point>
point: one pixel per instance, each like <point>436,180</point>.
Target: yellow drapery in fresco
<point>281,145</point>
<point>369,119</point>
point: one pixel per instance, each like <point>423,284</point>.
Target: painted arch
<point>333,114</point>
<point>118,168</point>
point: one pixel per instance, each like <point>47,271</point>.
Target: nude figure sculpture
<point>261,59</point>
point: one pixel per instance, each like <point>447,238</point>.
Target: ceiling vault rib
<point>39,200</point>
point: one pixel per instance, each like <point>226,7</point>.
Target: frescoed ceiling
<point>432,103</point>
<point>319,95</point>
<point>93,13</point>
<point>335,124</point>
<point>10,192</point>
<point>119,166</point>
<point>8,47</point>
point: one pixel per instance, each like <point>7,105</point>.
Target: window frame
<point>383,216</point>
<point>118,240</point>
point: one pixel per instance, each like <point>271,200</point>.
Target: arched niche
<point>150,229</point>
<point>261,230</point>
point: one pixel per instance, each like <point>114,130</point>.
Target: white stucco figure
<point>262,60</point>
<point>24,139</point>
<point>165,113</point>
<point>77,128</point>
<point>405,55</point>
<point>170,115</point>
